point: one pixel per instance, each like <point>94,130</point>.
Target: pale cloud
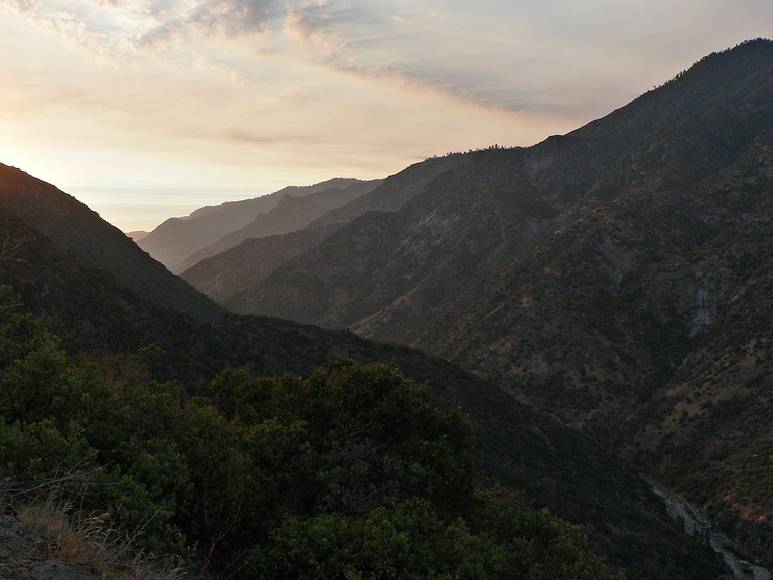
<point>89,24</point>
<point>229,18</point>
<point>511,55</point>
<point>22,6</point>
<point>573,58</point>
<point>309,26</point>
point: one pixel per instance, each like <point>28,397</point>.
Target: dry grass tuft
<point>88,541</point>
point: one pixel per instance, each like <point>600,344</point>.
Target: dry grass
<point>80,542</point>
<point>89,541</point>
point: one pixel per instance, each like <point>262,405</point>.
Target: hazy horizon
<point>143,208</point>
<point>147,110</point>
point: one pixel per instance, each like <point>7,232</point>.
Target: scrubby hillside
<point>615,277</point>
<point>517,447</point>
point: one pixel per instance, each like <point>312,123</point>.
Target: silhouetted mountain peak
<point>79,231</point>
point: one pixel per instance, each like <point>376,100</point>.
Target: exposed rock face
<point>618,277</point>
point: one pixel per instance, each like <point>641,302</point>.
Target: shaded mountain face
<point>616,277</point>
<point>712,432</point>
<point>557,466</point>
<point>292,213</point>
<point>177,238</point>
<point>248,263</point>
<point>80,232</point>
<point>251,261</point>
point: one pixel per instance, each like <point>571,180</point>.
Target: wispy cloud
<point>500,54</point>
<point>229,18</point>
<point>552,57</point>
<point>68,23</point>
<point>104,28</point>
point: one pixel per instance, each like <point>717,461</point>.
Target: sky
<point>147,109</point>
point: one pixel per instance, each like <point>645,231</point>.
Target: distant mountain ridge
<point>245,265</point>
<point>137,235</point>
<point>291,213</point>
<point>177,238</point>
<point>223,275</point>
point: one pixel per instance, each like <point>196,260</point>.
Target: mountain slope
<point>231,271</point>
<point>292,213</point>
<point>607,276</point>
<point>248,263</point>
<point>177,238</point>
<point>714,415</point>
<point>627,149</point>
<point>556,465</point>
<point>82,233</point>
